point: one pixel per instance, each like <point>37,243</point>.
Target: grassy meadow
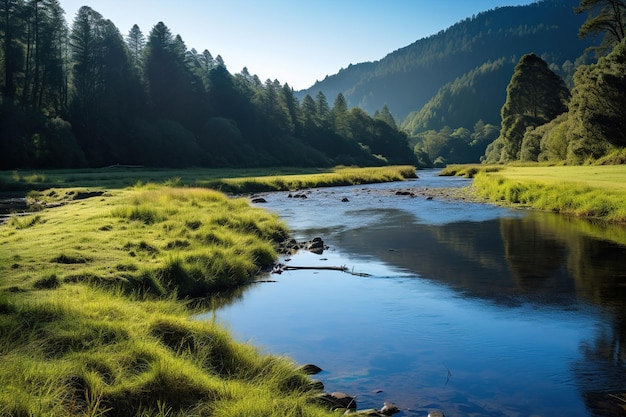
<point>96,290</point>
<point>589,191</point>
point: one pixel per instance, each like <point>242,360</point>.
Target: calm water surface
<point>469,309</point>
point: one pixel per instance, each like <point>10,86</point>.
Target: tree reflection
<point>539,258</point>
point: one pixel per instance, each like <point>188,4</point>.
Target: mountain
<point>472,54</point>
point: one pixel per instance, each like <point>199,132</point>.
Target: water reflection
<point>540,258</point>
<point>470,309</point>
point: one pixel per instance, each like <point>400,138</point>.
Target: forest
<point>84,95</point>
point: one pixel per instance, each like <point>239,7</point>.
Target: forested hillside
<point>83,94</point>
<point>475,49</point>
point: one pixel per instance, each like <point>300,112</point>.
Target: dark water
<point>469,309</point>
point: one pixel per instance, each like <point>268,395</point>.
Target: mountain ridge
<point>407,78</point>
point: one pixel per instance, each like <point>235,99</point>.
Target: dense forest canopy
<point>513,83</point>
<point>85,95</point>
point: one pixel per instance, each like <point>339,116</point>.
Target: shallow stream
<point>468,308</point>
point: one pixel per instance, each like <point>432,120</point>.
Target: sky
<point>294,41</point>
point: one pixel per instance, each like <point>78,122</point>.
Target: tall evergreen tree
<point>45,83</point>
<point>385,115</point>
<point>136,42</point>
<point>535,95</point>
<point>339,115</point>
<point>323,109</point>
<point>175,91</point>
<point>107,91</point>
<point>292,107</point>
<point>308,109</point>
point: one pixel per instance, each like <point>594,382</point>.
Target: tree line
<point>85,95</point>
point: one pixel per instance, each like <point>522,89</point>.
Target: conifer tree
<point>136,42</point>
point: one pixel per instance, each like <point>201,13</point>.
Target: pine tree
<point>136,42</point>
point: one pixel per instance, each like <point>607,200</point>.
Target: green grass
<point>338,177</point>
<point>83,351</point>
<point>97,290</point>
<point>93,317</point>
<point>597,192</point>
<point>228,180</point>
<point>194,241</point>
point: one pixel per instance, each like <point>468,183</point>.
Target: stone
<point>310,369</point>
<point>345,200</point>
<point>316,246</point>
<point>436,414</point>
<point>259,200</point>
<point>389,409</point>
<point>343,400</point>
<point>316,385</point>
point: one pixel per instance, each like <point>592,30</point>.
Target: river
<point>467,308</point>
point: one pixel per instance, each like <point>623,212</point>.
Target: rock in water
<point>389,409</point>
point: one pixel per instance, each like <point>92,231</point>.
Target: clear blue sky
<point>294,41</point>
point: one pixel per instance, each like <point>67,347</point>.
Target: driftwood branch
<point>280,268</point>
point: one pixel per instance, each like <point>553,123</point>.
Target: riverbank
<point>226,180</point>
<point>594,192</point>
<point>94,311</point>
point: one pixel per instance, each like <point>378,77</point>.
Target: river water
<point>467,308</point>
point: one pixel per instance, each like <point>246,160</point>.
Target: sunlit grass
<point>230,180</point>
<point>95,293</point>
<point>214,239</point>
<point>338,177</point>
<point>585,191</point>
<point>91,321</point>
<point>80,350</point>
